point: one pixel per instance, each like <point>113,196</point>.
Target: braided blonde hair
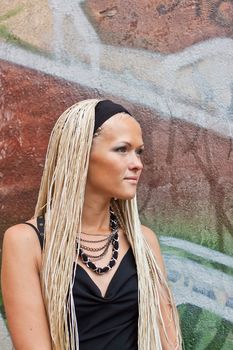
<point>61,199</point>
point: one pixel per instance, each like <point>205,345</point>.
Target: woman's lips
<point>132,179</point>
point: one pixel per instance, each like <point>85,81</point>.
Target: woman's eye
<point>140,151</point>
<point>121,149</point>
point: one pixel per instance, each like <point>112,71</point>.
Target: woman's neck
<point>95,216</point>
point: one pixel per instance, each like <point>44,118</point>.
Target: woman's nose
<point>136,162</point>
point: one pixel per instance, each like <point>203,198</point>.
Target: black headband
<point>106,109</point>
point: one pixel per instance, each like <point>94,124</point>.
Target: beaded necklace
<point>112,238</point>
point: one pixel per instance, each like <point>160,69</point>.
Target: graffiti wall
<point>170,63</point>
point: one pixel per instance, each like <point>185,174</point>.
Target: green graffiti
<point>13,39</point>
<point>189,313</point>
<point>203,330</point>
<point>11,13</point>
<point>198,259</point>
<point>220,337</point>
<point>1,306</point>
<point>197,230</point>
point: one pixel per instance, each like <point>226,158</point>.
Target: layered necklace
<point>111,239</point>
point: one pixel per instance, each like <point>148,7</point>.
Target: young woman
<point>95,278</point>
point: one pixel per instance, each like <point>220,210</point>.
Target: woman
<point>99,281</point>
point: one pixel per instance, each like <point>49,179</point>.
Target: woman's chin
<point>126,196</point>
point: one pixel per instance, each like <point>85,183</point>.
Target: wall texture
<point>170,63</point>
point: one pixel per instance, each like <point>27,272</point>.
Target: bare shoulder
<point>151,238</point>
<point>19,234</point>
<point>154,245</point>
<point>21,241</point>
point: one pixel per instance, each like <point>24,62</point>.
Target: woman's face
<point>115,160</point>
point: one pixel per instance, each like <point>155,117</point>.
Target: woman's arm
<point>21,289</point>
<point>165,304</point>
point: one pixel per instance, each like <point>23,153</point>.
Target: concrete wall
<point>170,63</point>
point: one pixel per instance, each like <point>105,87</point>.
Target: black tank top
<point>109,322</point>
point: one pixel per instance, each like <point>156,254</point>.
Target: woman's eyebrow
<point>130,145</point>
